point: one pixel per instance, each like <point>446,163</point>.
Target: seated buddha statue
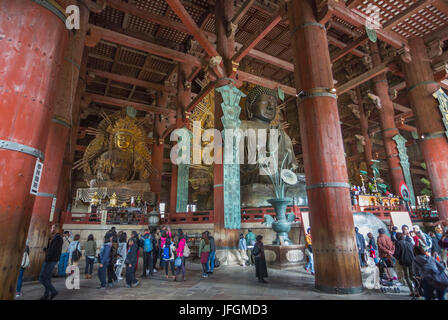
<point>261,110</point>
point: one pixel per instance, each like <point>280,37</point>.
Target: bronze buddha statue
<point>261,110</point>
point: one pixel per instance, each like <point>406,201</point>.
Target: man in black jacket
<point>52,255</point>
<point>131,261</point>
<point>404,253</point>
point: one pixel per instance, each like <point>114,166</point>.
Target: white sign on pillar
<point>53,207</point>
<point>38,168</point>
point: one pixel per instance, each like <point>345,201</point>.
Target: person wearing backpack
<point>90,253</point>
<point>25,264</point>
<point>104,259</point>
<point>148,247</point>
<point>131,261</point>
<point>404,253</point>
<point>74,250</point>
<point>424,240</point>
<point>181,251</point>
<point>168,255</point>
<point>432,273</point>
<point>250,241</point>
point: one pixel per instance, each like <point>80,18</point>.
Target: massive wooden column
<point>364,121</point>
<point>57,140</point>
<point>155,180</point>
<point>334,246</point>
<point>183,99</point>
<point>32,41</point>
<point>434,146</point>
<point>387,122</point>
<point>225,45</point>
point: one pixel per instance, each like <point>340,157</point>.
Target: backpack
<point>76,255</point>
<point>217,263</point>
<point>166,253</point>
<point>428,240</point>
<point>186,251</point>
<point>147,246</point>
<point>25,260</point>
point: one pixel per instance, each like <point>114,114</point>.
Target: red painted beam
<point>158,19</point>
<point>356,18</point>
<point>130,80</point>
<point>257,37</point>
<point>244,76</point>
<point>131,42</point>
<point>193,29</point>
<point>125,103</point>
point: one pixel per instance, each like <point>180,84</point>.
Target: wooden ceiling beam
<point>267,26</point>
<point>439,34</point>
<point>366,76</point>
<point>125,103</point>
<point>357,19</point>
<point>158,19</point>
<point>242,11</point>
<point>442,6</point>
<point>145,46</point>
<point>130,80</point>
<point>192,27</point>
<point>244,76</point>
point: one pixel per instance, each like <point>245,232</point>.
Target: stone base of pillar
<point>228,257</point>
<point>284,257</point>
<point>340,290</point>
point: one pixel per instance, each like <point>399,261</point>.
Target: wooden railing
<point>248,215</point>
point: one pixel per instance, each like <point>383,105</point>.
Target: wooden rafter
<point>158,19</point>
<point>125,103</point>
<point>258,36</point>
<point>128,41</point>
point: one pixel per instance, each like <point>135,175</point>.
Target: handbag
<point>76,255</point>
<point>177,262</point>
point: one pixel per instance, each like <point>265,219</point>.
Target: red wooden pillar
<point>224,12</point>
<point>387,122</point>
<point>57,140</point>
<point>158,148</point>
<point>364,121</point>
<point>434,146</point>
<point>183,99</point>
<point>32,41</point>
<point>334,247</point>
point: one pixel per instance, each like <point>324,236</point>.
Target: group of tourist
<point>119,252</point>
<point>420,258</point>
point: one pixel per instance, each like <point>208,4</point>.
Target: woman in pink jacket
<point>180,253</point>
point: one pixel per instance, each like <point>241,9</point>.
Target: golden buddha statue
<point>118,155</point>
<point>118,159</point>
<point>113,200</point>
<point>95,199</point>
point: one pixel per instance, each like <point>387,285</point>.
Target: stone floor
<point>228,282</point>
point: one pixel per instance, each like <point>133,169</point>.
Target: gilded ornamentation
<point>443,107</point>
<point>118,154</point>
